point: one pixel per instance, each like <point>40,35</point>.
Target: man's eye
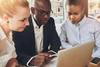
<point>75,13</point>
<point>41,12</point>
<point>69,13</point>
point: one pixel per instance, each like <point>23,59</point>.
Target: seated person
<point>39,40</point>
<point>79,29</point>
<point>13,17</point>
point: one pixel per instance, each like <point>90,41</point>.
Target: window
<point>94,8</point>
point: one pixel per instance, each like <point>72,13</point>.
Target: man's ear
<point>33,10</point>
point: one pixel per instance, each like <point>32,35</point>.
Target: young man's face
<point>75,13</point>
<point>42,12</point>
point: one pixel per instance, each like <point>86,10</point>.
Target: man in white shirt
<point>79,29</point>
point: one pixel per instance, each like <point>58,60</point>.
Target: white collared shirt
<point>38,36</point>
<point>86,30</point>
<point>7,49</point>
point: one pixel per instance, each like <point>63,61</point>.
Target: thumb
<point>98,64</point>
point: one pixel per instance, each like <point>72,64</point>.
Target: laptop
<point>77,56</point>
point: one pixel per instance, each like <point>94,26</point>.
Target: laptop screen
<point>77,56</point>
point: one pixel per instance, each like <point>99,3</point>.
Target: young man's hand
<point>40,59</point>
<point>93,65</point>
<point>98,65</point>
<point>12,63</point>
<point>47,56</point>
<point>37,61</point>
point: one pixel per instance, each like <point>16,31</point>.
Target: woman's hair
<point>80,3</point>
<point>8,7</point>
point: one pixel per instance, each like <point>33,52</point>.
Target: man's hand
<point>40,59</point>
<point>98,65</point>
<point>93,65</point>
<point>12,63</point>
<point>47,56</point>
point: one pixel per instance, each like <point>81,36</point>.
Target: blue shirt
<point>86,30</point>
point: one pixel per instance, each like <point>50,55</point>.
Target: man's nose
<point>46,15</point>
<point>72,17</point>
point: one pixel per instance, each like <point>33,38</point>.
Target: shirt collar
<point>34,23</point>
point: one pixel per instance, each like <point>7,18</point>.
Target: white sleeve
<point>30,60</point>
<point>96,52</point>
<point>63,38</point>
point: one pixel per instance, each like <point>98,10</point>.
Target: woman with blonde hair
<point>13,17</point>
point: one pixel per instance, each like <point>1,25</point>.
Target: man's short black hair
<point>46,2</point>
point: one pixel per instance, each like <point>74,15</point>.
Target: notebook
<point>77,56</point>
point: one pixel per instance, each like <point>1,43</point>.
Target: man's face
<point>42,12</point>
<point>74,13</point>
